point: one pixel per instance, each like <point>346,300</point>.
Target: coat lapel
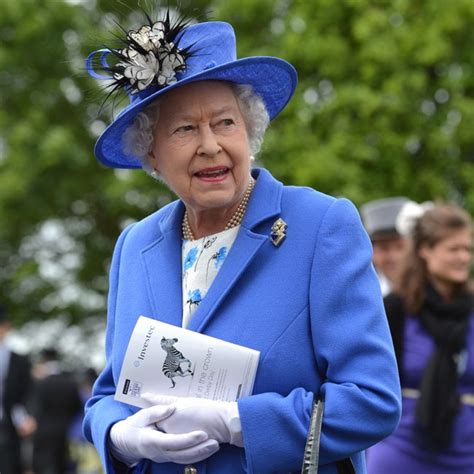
<point>162,263</point>
<point>162,258</point>
<point>264,204</point>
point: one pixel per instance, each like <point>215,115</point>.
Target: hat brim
<point>273,79</point>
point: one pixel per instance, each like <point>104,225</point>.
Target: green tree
<point>60,211</point>
<point>384,106</point>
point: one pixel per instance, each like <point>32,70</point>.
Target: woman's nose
<point>208,142</point>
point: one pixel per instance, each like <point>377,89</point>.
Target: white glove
<point>137,438</point>
<point>220,420</point>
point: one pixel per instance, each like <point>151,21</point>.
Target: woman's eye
<point>224,123</point>
<point>184,128</point>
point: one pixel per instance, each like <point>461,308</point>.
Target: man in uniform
<point>379,218</point>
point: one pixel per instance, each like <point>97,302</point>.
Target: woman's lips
<point>213,175</point>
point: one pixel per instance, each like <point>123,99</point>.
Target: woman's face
<point>449,261</point>
<point>201,146</point>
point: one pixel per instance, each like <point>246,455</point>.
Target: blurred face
<point>449,261</point>
<point>201,147</point>
<point>387,256</point>
<point>4,329</point>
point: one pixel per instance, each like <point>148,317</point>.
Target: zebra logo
<point>173,361</point>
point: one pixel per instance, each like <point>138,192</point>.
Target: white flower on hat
<point>149,59</point>
<point>409,214</point>
<point>170,62</point>
<point>142,70</point>
<point>142,37</point>
<point>157,33</point>
<point>129,53</point>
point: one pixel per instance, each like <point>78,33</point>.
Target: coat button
<point>190,470</point>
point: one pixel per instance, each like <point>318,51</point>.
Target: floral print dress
<point>201,261</point>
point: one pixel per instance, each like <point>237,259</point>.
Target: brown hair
<point>433,226</point>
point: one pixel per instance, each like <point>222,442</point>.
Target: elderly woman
<point>282,270</point>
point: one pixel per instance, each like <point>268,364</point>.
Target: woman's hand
<point>220,420</point>
<point>137,438</point>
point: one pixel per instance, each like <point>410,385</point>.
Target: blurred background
<point>384,107</point>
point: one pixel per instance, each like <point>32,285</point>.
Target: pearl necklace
<point>235,220</point>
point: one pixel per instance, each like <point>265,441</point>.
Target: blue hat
<point>209,52</point>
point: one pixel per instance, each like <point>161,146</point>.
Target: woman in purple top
<point>432,321</point>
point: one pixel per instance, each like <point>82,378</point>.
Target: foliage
<point>384,107</point>
<point>385,99</point>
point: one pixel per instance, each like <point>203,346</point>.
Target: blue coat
<point>311,306</point>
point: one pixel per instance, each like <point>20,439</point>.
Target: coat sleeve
<point>354,355</point>
<point>101,410</point>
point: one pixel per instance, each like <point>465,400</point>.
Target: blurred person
<point>379,218</point>
<point>284,270</point>
<point>15,382</point>
<point>431,316</point>
<point>55,402</point>
<point>83,454</point>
